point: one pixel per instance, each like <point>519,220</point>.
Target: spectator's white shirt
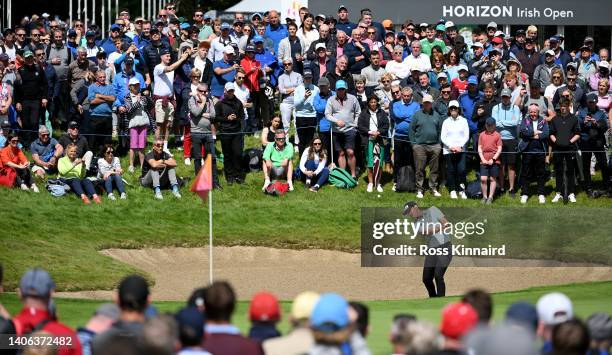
<point>11,52</point>
<point>400,70</point>
<point>111,57</point>
<point>550,91</point>
<point>243,94</point>
<point>422,62</point>
<point>455,133</point>
<point>217,46</point>
<point>163,81</point>
<point>308,38</point>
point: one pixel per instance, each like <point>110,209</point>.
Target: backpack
<point>56,187</point>
<point>277,188</point>
<point>342,179</point>
<point>473,189</point>
<point>405,181</point>
<point>252,159</point>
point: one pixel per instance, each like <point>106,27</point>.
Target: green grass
<point>63,235</point>
<point>587,298</point>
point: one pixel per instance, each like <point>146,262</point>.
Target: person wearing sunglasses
<point>30,96</point>
<point>159,171</point>
<point>137,119</point>
<point>201,116</point>
<point>12,157</point>
<point>71,171</point>
<point>454,136</point>
<point>229,113</point>
<point>313,165</point>
<point>278,163</point>
<point>109,170</point>
<point>373,126</point>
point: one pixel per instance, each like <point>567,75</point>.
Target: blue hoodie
<point>401,114</point>
<point>467,103</point>
<point>319,104</point>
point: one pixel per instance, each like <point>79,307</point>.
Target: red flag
<point>203,181</point>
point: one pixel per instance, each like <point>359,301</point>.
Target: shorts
<point>509,151</point>
<point>163,114</point>
<point>138,137</point>
<point>489,170</point>
<point>344,140</point>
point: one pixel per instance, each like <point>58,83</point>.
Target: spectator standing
<point>344,24</point>
<point>264,314</point>
<point>529,57</point>
<point>224,71</point>
<point>305,112</point>
<point>357,52</point>
<point>229,114</point>
<point>287,83</point>
<point>320,103</point>
<point>260,110</point>
<point>138,117</point>
<point>534,134</point>
<point>60,57</point>
<point>30,96</point>
<point>191,323</point>
<point>102,319</point>
<point>553,309</point>
<point>373,126</point>
<point>425,129</point>
<point>507,117</point>
<point>454,135</point>
<point>564,134</point>
<point>417,59</point>
<point>489,151</point>
<point>218,45</point>
<point>101,98</point>
<point>201,115</point>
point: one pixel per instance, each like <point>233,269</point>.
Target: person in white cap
<point>454,136</point>
<point>603,72</point>
<point>229,113</point>
<point>543,72</point>
<point>553,308</point>
<point>491,29</point>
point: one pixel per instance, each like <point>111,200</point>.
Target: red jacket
<point>29,318</point>
<point>252,78</point>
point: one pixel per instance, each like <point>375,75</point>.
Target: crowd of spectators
<point>411,100</point>
<point>320,324</point>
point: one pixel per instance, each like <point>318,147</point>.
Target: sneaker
<point>308,183</point>
<point>112,197</point>
<point>453,195</point>
<point>296,149</point>
<point>437,194</point>
<point>176,194</point>
<point>419,194</point>
<point>159,196</point>
<point>123,196</point>
<point>187,162</point>
<point>557,198</point>
<point>370,187</point>
<point>290,186</point>
<point>131,169</point>
<point>394,187</point>
<point>489,201</point>
<point>524,199</point>
<point>379,188</point>
<point>265,185</point>
<point>315,188</point>
<point>541,199</point>
<point>572,198</point>
<point>463,195</point>
<point>24,187</point>
<point>34,188</point>
<point>512,193</point>
<point>97,199</point>
<point>86,200</point>
<point>484,200</point>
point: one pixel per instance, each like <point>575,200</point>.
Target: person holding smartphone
<point>109,170</point>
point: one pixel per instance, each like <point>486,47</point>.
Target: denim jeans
<point>108,184</point>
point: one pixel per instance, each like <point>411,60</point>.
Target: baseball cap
<point>423,24</point>
<point>304,303</point>
<point>28,54</point>
<point>490,121</point>
<point>408,206</point>
<point>153,30</point>
<point>449,24</point>
<point>401,34</point>
<point>45,15</point>
<point>457,319</point>
<point>600,326</point>
<point>307,73</point>
<point>502,339</point>
<point>440,27</point>
<point>342,7</point>
<point>497,40</point>
<point>427,98</point>
<point>323,82</point>
<point>72,33</point>
<point>229,50</point>
<point>499,34</point>
<point>185,26</point>
<point>5,124</point>
<point>554,39</point>
<point>506,92</point>
<point>591,97</point>
<point>108,310</point>
<point>387,23</point>
<point>164,51</point>
<point>257,14</point>
<point>550,52</point>
<point>472,80</point>
<point>494,50</point>
<point>229,86</point>
<point>442,75</point>
<point>191,320</point>
<point>603,64</point>
<point>238,22</point>
<point>264,307</point>
<point>258,39</point>
<point>521,312</point>
<point>129,60</point>
<point>554,308</point>
<point>461,67</point>
<point>225,26</point>
<point>492,25</point>
<point>519,33</point>
<point>134,81</point>
<point>133,290</point>
<point>588,39</point>
<point>4,57</point>
<point>36,283</point>
<point>115,27</point>
<point>249,48</point>
<point>319,46</point>
<point>330,313</point>
<point>453,103</point>
<point>477,45</point>
<point>584,47</point>
<point>90,34</point>
<point>75,124</point>
<point>341,84</point>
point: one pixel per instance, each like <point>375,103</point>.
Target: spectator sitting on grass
<point>264,314</point>
<point>109,170</point>
<point>103,318</point>
<point>159,165</point>
<point>73,136</point>
<point>313,165</point>
<point>35,290</point>
<point>268,133</point>
<point>277,160</point>
<point>222,337</point>
<point>12,157</point>
<point>300,339</point>
<point>46,152</point>
<point>72,172</point>
<point>133,299</point>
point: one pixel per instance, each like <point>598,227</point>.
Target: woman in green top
<point>72,172</point>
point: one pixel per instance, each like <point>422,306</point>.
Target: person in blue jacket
<point>275,30</point>
<point>401,113</point>
<point>468,101</point>
<point>319,103</point>
<point>533,146</point>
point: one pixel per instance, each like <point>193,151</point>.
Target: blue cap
<point>490,121</point>
<point>164,51</point>
<point>258,39</point>
<point>225,26</point>
<point>341,84</point>
<point>185,26</point>
<point>191,320</point>
<point>401,34</point>
<point>72,33</point>
<point>473,80</point>
<point>249,48</point>
<point>331,311</point>
<point>115,27</point>
<point>90,34</point>
<point>36,283</point>
<point>524,313</point>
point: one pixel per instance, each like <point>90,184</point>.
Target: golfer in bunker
<point>439,255</point>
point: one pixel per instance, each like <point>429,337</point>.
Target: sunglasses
<point>158,145</point>
<point>572,79</point>
<point>385,81</point>
<point>371,32</point>
<point>78,25</point>
<point>280,139</point>
<point>170,8</point>
<point>410,29</point>
<point>316,143</point>
<point>556,77</point>
<point>363,27</point>
<point>35,34</point>
<point>287,64</point>
<point>395,92</point>
<point>446,91</point>
<point>20,34</point>
<point>44,134</point>
<point>202,91</point>
<point>109,152</point>
<point>198,15</point>
<point>240,77</point>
